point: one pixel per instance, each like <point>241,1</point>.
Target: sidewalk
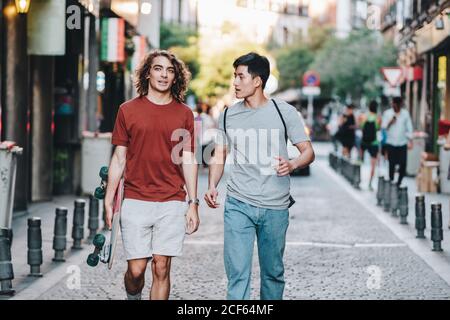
<point>45,211</point>
<point>410,183</point>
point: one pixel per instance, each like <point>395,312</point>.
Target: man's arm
<point>215,174</point>
<point>190,173</point>
<point>305,158</point>
<point>115,172</point>
<point>409,132</point>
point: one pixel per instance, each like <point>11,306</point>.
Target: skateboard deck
<point>105,251</point>
<point>117,209</point>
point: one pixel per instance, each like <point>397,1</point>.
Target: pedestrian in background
<point>398,126</point>
<point>370,124</point>
<point>346,131</point>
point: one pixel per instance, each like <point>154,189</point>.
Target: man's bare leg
<point>135,276</point>
<point>161,278</point>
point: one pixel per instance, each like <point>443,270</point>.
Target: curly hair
<point>182,75</point>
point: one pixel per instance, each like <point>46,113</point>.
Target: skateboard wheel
<point>99,240</point>
<point>99,193</point>
<point>92,260</point>
<point>104,173</point>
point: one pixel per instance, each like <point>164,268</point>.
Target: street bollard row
<point>349,169</point>
<point>395,200</point>
<point>34,241</point>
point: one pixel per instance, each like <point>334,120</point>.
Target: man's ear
<point>257,81</point>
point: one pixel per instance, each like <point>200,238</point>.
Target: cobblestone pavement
<point>336,249</point>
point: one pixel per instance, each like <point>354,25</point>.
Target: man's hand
<point>192,220</point>
<point>109,215</point>
<point>284,167</point>
<point>211,198</point>
<point>410,145</point>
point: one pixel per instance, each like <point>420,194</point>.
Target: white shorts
<point>153,228</point>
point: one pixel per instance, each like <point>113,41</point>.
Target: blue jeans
<point>242,222</point>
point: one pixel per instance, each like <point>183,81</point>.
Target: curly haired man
<point>155,214</point>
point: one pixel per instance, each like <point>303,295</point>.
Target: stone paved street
<point>336,249</point>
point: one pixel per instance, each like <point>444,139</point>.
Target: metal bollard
<point>93,222</point>
<point>387,195</point>
<point>6,268</point>
<point>380,190</point>
<point>60,231</point>
<point>403,206</point>
<point>356,176</point>
<point>437,235</point>
<point>78,224</point>
<point>420,216</point>
<point>339,164</point>
<point>35,246</point>
<point>394,199</point>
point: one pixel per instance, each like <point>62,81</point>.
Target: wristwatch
<point>195,201</point>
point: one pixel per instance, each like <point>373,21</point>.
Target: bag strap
<point>225,120</point>
<point>279,113</point>
<point>282,120</point>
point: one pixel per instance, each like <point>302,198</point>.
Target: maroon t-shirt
<point>146,130</point>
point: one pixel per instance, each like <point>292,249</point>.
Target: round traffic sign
<point>311,79</point>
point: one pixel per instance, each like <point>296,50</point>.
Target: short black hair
<point>258,66</point>
<point>397,100</point>
<point>351,106</point>
<point>373,106</point>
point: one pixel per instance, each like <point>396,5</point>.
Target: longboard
<point>106,253</point>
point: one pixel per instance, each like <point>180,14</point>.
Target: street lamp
<point>22,6</point>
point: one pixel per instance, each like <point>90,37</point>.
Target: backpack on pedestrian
<point>369,132</point>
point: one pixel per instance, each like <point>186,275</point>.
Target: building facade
<point>421,31</point>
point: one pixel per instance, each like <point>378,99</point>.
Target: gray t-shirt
<point>256,136</point>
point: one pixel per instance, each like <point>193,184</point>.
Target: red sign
<point>413,73</point>
<point>311,79</point>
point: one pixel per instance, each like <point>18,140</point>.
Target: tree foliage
<point>350,66</point>
<point>175,35</point>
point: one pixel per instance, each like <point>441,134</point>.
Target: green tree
<point>350,66</point>
<point>175,35</point>
<point>292,62</point>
